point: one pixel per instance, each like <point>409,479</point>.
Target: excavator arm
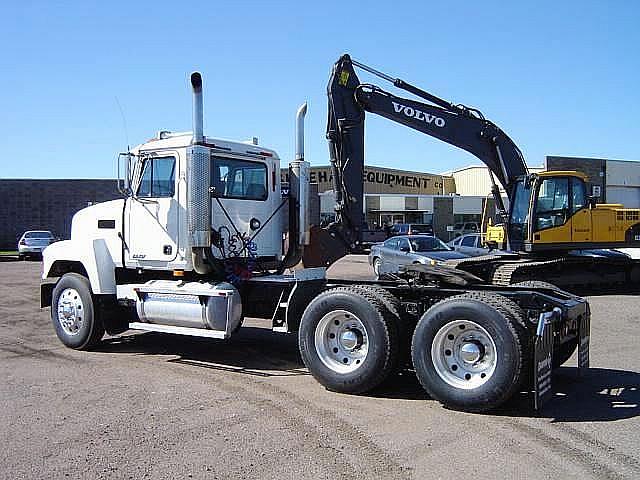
<point>457,125</point>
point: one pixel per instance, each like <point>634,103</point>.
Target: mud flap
<point>584,333</point>
<point>543,359</point>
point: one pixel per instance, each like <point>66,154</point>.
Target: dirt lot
<point>158,406</point>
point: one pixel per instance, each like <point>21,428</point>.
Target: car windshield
<point>428,244</point>
<point>38,235</point>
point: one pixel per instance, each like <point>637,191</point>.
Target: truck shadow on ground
<point>252,351</point>
<point>601,395</point>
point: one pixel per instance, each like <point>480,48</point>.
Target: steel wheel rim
<point>464,354</point>
<point>341,341</point>
<point>70,311</point>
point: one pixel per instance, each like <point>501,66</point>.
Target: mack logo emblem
<point>418,114</point>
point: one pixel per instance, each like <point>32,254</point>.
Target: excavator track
<point>510,273</point>
<point>569,272</point>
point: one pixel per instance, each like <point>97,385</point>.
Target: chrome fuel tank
<point>190,304</point>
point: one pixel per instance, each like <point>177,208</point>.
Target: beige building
<point>474,180</point>
<point>388,180</point>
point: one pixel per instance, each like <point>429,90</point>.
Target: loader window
<point>241,179</point>
<point>158,176</point>
<point>552,208</point>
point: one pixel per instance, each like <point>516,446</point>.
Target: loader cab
<point>550,209</point>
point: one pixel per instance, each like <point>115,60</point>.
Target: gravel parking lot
<point>158,406</point>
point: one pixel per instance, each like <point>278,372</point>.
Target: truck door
<point>152,227</point>
<point>580,212</point>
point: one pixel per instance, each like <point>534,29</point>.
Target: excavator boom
<point>348,100</point>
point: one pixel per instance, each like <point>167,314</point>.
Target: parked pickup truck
<point>371,237</point>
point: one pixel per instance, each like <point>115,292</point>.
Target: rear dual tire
<point>469,353</point>
<point>348,340</point>
<point>562,352</point>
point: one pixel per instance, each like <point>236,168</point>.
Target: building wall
<point>623,182</point>
<point>442,216</point>
<point>46,205</point>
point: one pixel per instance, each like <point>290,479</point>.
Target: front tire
<point>469,353</point>
<point>348,340</point>
<point>77,323</point>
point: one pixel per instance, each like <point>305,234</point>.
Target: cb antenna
<point>124,123</point>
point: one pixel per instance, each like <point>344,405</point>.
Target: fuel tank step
<point>193,332</point>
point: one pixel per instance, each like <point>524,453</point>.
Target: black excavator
<point>552,230</point>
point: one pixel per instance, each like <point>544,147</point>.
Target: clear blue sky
<point>559,77</point>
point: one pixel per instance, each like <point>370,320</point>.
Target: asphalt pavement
<point>148,405</point>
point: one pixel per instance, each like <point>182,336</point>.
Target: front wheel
<point>469,353</point>
<point>76,321</point>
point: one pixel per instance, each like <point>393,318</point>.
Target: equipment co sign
<point>383,180</point>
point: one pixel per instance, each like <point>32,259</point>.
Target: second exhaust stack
<point>196,85</point>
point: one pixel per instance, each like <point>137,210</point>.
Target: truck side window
<point>552,208</point>
<point>158,178</point>
<point>578,195</point>
<point>240,179</point>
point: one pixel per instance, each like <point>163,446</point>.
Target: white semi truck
<point>196,244</point>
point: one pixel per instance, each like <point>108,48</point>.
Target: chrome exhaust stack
<point>302,112</point>
<point>196,86</point>
<point>303,179</point>
<point>298,197</point>
<point>198,182</point>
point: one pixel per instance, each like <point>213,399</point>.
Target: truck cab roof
<point>166,140</point>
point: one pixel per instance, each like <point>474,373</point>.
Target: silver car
<point>469,244</point>
<point>33,242</point>
<point>407,250</point>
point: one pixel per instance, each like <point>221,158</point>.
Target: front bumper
<point>27,249</point>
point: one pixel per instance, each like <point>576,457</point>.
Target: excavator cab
<point>550,209</point>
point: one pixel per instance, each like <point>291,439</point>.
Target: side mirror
<point>124,167</point>
<point>593,201</point>
<point>405,249</point>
